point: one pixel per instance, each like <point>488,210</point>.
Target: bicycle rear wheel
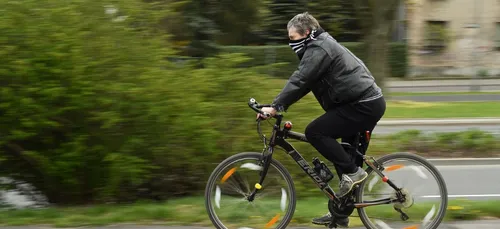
<point>234,179</point>
<point>425,206</point>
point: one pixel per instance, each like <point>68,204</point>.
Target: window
<point>436,35</point>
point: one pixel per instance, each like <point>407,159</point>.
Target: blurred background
<point>119,101</point>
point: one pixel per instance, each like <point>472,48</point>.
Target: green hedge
<point>284,61</point>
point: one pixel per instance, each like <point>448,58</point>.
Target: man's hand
<point>269,110</point>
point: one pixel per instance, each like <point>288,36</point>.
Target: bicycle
<point>400,198</point>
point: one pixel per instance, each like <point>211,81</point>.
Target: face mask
<point>298,46</point>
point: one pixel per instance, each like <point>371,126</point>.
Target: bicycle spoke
<point>236,188</point>
<point>247,185</point>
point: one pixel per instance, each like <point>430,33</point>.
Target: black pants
<point>343,122</point>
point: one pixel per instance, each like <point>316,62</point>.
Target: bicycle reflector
<point>288,125</point>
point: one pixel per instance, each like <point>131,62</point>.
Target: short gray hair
<point>302,22</point>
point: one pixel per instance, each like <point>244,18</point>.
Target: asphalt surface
<point>473,182</point>
<point>449,98</point>
<point>447,88</point>
<point>443,85</point>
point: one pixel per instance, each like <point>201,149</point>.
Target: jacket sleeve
<point>311,67</point>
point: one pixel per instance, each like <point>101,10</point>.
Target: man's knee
<point>311,131</point>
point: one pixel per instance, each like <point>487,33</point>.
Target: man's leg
<point>358,160</point>
<point>362,116</point>
<point>344,121</point>
<point>322,134</point>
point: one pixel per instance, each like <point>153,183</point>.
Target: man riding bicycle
<point>345,89</point>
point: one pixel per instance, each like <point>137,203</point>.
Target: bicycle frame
<point>278,138</point>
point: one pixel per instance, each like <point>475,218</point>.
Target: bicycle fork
<point>267,158</point>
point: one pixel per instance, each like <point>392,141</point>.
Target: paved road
<point>442,85</point>
<point>474,182</point>
<point>449,98</point>
<point>477,181</point>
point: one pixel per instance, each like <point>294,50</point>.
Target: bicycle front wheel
<point>233,180</point>
<point>423,187</point>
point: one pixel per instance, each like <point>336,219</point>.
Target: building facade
<point>453,37</point>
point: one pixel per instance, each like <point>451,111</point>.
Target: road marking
<point>461,196</point>
<point>483,167</point>
<point>464,159</point>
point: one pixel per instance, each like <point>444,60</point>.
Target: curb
<point>440,122</point>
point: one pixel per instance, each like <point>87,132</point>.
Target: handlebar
<point>252,103</point>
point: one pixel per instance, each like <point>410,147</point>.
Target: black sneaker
<point>349,180</point>
<point>327,219</point>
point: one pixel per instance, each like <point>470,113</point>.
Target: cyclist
<point>344,88</point>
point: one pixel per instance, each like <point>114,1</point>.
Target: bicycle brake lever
<point>259,116</point>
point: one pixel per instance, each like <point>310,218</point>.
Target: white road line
<point>465,159</point>
<point>462,196</point>
<point>481,167</point>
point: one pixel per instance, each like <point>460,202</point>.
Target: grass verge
<point>191,211</point>
<point>411,109</point>
<point>308,107</point>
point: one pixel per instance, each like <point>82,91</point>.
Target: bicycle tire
<point>249,155</point>
<point>424,162</point>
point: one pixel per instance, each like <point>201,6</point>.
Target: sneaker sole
<point>326,224</point>
<point>354,184</point>
<point>317,223</point>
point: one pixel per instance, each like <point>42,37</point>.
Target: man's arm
<point>311,67</point>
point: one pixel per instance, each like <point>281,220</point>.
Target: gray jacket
<point>334,75</point>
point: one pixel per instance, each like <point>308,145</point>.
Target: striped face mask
<point>299,46</point>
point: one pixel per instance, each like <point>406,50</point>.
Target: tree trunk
<point>377,53</point>
<point>376,21</point>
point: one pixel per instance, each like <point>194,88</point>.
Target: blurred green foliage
<point>196,26</point>
<point>91,110</point>
<point>285,61</point>
<point>78,99</point>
